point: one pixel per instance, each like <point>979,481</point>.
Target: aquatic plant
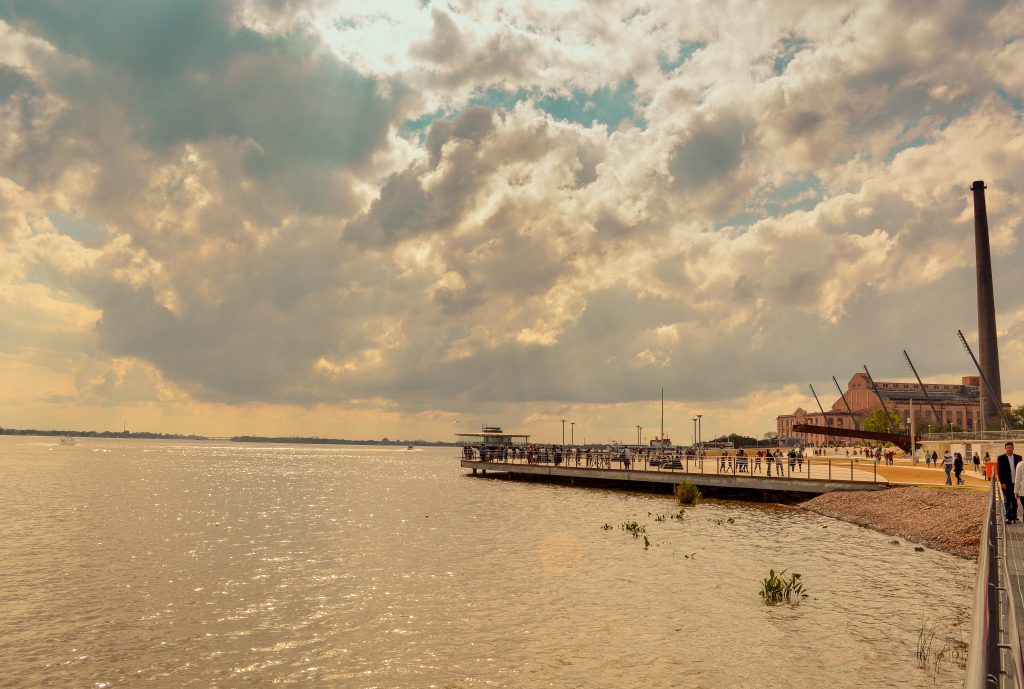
<point>634,528</point>
<point>647,543</point>
<point>925,638</point>
<point>687,492</point>
<point>607,526</point>
<point>679,515</point>
<point>777,588</point>
<point>953,650</point>
<point>659,517</point>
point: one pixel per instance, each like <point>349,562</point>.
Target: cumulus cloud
<point>380,206</point>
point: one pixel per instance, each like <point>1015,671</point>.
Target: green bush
<point>776,588</point>
<point>687,492</point>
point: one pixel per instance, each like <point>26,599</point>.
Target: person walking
<point>958,468</point>
<point>947,464</point>
<point>977,464</point>
<point>1006,467</point>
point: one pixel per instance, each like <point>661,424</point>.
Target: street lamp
<point>638,429</point>
<point>698,427</point>
<point>563,433</point>
<point>572,433</point>
<point>695,431</point>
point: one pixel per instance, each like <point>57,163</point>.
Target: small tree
<point>875,421</point>
<point>1016,417</point>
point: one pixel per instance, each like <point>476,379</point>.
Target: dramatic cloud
<point>380,218</point>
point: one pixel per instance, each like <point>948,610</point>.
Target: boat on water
<point>68,440</point>
<point>408,447</point>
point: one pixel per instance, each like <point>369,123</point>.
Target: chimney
<point>987,345</point>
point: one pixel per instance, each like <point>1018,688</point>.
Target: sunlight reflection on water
<point>201,564</point>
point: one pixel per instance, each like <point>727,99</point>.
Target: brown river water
<point>188,564</point>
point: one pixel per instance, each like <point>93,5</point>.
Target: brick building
<point>956,404</point>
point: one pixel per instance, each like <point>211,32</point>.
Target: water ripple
<point>197,564</point>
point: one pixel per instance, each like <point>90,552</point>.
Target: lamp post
<point>695,431</point>
<point>563,433</point>
<point>638,429</point>
<point>913,445</point>
<point>698,427</point>
<point>572,433</point>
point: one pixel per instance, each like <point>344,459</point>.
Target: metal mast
<point>840,390</point>
<point>881,399</point>
<point>828,421</point>
<point>938,418</point>
<point>984,379</point>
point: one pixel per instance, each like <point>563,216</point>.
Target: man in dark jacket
<point>1006,464</point>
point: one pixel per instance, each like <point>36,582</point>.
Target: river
<point>201,564</point>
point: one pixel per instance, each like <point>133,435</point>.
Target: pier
<point>810,477</point>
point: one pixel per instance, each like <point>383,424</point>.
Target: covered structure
<point>493,436</point>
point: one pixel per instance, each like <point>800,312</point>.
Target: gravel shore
<point>947,520</point>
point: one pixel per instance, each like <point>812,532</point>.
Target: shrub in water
<point>776,588</point>
<point>687,492</point>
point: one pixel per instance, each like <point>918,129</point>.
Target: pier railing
<point>990,436</point>
<point>861,469</point>
<point>994,656</point>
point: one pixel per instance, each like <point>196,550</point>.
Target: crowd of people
<point>739,461</point>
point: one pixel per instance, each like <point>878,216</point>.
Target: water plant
<point>679,515</point>
<point>777,588</point>
<point>647,543</point>
<point>925,638</point>
<point>659,517</point>
<point>634,528</point>
<point>686,492</point>
<point>607,526</point>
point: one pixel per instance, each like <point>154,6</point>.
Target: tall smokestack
<point>988,348</point>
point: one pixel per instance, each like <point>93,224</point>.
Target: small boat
<point>68,440</point>
<point>408,447</point>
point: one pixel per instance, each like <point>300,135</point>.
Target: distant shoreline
<point>146,435</point>
<point>341,441</point>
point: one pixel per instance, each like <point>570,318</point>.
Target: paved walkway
<point>1013,554</point>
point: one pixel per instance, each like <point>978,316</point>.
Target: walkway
<point>1013,561</point>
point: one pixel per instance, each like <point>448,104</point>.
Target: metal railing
<point>1016,435</point>
<point>994,656</point>
<point>812,468</point>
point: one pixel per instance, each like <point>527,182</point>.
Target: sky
<point>408,219</point>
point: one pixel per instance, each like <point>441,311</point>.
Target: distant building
<point>956,404</point>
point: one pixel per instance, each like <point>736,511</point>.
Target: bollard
<point>851,469</point>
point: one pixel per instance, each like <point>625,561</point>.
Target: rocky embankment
<point>948,520</point>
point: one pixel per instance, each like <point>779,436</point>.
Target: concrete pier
<point>815,480</point>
